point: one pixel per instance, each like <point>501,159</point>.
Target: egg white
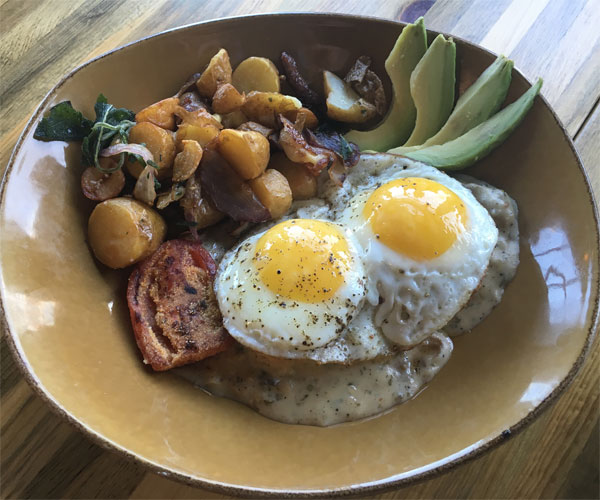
<point>278,326</point>
<point>412,299</point>
<point>431,292</point>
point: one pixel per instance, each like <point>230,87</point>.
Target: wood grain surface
<point>555,457</point>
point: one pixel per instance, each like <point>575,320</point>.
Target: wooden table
<point>557,456</point>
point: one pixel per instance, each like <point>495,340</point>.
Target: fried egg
<point>292,288</point>
<point>424,239</point>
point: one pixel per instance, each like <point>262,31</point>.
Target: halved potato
<point>198,117</point>
<point>201,134</point>
<point>161,144</point>
<point>256,73</point>
<point>227,99</point>
<point>99,186</point>
<point>302,183</point>
<point>246,151</point>
<point>161,113</point>
<point>273,191</point>
<point>343,104</point>
<point>122,231</point>
<point>233,119</point>
<point>216,73</point>
<point>263,107</point>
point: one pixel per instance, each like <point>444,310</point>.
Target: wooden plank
<point>588,147</point>
<point>561,55</point>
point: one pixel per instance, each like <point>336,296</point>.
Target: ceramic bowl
<point>67,322</point>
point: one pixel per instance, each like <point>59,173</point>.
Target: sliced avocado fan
<point>481,140</point>
<point>400,119</point>
<point>432,88</point>
<point>480,101</point>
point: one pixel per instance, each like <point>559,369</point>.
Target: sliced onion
<point>145,189</point>
<point>337,172</point>
<point>135,149</point>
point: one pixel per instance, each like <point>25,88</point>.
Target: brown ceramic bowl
<point>67,319</point>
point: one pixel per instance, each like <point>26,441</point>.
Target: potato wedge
<point>343,104</point>
<point>201,134</point>
<point>246,152</point>
<point>187,161</point>
<point>256,73</point>
<point>161,144</point>
<point>227,99</point>
<point>302,183</point>
<point>263,107</point>
<point>122,231</point>
<point>161,113</point>
<point>216,73</point>
<point>273,191</point>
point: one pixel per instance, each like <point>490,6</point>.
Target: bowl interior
<point>68,318</point>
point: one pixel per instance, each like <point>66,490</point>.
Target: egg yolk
<point>416,217</point>
<point>303,260</point>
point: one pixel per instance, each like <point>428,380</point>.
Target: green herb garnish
<point>110,122</point>
<point>63,124</point>
<point>346,150</point>
<point>67,124</point>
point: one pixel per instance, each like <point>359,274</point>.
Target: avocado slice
<point>432,89</point>
<point>400,119</point>
<point>480,101</point>
<point>481,140</point>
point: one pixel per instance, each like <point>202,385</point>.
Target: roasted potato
<point>246,152</point>
<point>256,73</point>
<point>161,144</point>
<point>98,186</point>
<point>199,117</point>
<point>227,99</point>
<point>161,113</point>
<point>201,134</point>
<point>187,161</point>
<point>273,191</point>
<point>191,101</point>
<point>263,107</point>
<point>343,104</point>
<point>123,231</point>
<point>233,119</point>
<point>302,183</point>
<point>217,72</point>
<point>196,208</point>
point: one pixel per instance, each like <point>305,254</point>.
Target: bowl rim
<point>378,486</point>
